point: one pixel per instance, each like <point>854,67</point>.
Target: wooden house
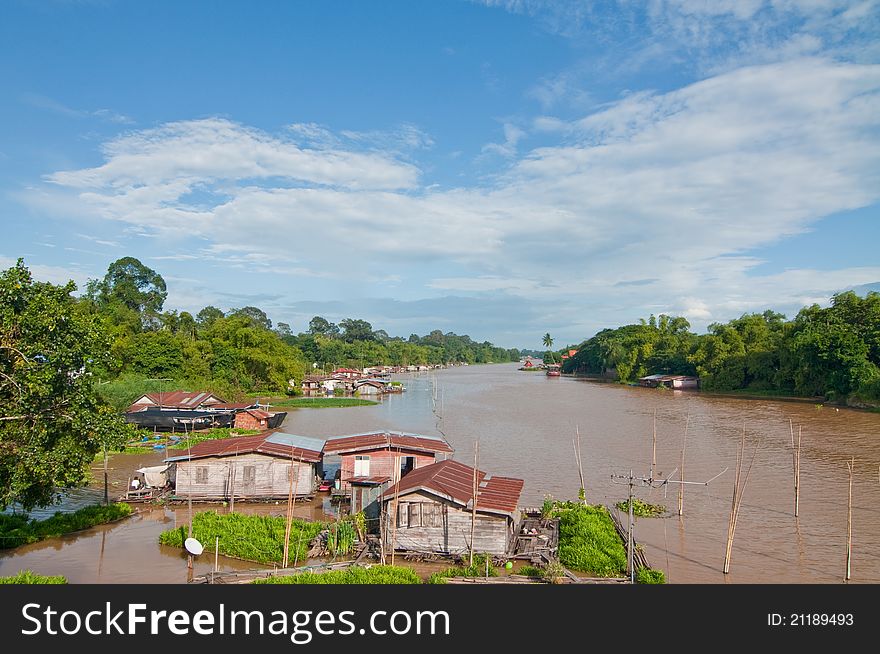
<point>430,510</point>
<point>248,467</point>
<point>369,387</point>
<point>175,400</point>
<point>313,385</point>
<point>370,462</point>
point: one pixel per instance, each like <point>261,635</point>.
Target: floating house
<point>313,384</point>
<point>369,462</point>
<point>178,420</point>
<point>675,382</point>
<point>176,400</point>
<point>248,467</point>
<point>430,510</point>
<point>369,387</point>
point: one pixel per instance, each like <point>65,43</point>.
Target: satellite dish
<point>193,546</point>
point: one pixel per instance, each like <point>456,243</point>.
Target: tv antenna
<point>631,480</point>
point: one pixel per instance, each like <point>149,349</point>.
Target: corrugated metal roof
<point>385,439</point>
<point>180,399</point>
<point>370,481</point>
<point>272,443</point>
<point>455,480</point>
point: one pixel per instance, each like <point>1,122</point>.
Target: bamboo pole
<point>106,483</point>
<point>797,475</point>
<point>791,431</point>
<point>654,446</point>
<point>687,424</point>
<point>284,557</point>
<point>217,554</point>
<point>738,490</point>
<point>395,474</point>
<point>474,506</point>
<point>232,483</point>
<point>849,464</point>
<point>577,454</point>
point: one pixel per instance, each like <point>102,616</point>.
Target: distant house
<point>676,382</point>
<point>347,373</point>
<point>370,461</point>
<point>313,385</point>
<point>369,387</point>
<point>174,400</point>
<point>430,510</point>
<point>248,467</point>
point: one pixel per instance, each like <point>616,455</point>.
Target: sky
<point>497,168</point>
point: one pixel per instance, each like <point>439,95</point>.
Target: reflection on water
<point>525,423</point>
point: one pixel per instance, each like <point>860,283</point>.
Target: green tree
<point>256,315</point>
<point>132,284</point>
<point>52,421</point>
<point>206,317</point>
<point>356,330</point>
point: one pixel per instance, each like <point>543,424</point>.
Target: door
<point>249,480</point>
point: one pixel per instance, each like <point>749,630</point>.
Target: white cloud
<point>512,136</point>
<point>650,204</point>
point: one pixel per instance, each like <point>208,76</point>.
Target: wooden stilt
<point>850,464</point>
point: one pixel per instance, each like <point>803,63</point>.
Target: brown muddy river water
<point>525,423</point>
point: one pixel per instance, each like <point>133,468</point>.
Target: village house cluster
<point>187,411</point>
<point>374,380</point>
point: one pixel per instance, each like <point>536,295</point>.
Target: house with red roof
<point>430,511</point>
<point>176,400</point>
<point>248,467</point>
<point>369,462</point>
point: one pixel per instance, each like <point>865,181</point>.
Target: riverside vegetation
<point>17,530</point>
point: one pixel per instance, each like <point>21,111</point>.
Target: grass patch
<point>321,402</point>
<point>377,574</point>
<point>250,537</point>
<point>588,541</point>
<point>641,509</point>
<point>17,530</point>
<point>28,577</point>
<point>478,569</point>
<point>650,576</point>
<point>144,446</point>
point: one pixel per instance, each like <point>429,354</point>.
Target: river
<point>525,423</point>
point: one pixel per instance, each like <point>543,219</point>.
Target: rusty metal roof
<point>385,440</point>
<point>272,443</point>
<point>181,399</point>
<point>369,481</point>
<point>455,481</point>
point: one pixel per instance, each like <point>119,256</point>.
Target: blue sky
<point>500,168</point>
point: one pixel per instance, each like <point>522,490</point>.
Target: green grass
<point>650,576</point>
<point>321,402</point>
<point>530,571</point>
<point>250,537</point>
<point>478,569</point>
<point>642,509</point>
<point>588,541</point>
<point>28,577</point>
<point>142,447</point>
<point>17,530</point>
<point>377,574</point>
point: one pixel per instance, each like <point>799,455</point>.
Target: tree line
<point>830,352</point>
<point>69,365</point>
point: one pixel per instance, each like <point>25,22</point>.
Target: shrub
<point>29,577</point>
<point>650,576</point>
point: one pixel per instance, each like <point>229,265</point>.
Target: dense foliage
<point>377,574</point>
<point>52,420</point>
<point>29,577</point>
<point>250,537</point>
<point>588,541</point>
<point>16,529</point>
<point>829,352</point>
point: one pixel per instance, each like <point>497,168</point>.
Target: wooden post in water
<point>797,475</point>
<point>654,446</point>
<point>687,424</point>
<point>289,512</point>
<point>577,456</point>
<point>737,496</point>
<point>474,507</point>
<point>849,464</point>
<point>106,484</point>
<point>232,483</point>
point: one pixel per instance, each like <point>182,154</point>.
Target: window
<point>403,515</point>
<point>361,466</point>
<point>250,475</point>
<point>202,475</point>
<point>415,514</point>
<point>431,515</point>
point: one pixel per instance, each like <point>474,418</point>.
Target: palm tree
<point>548,343</point>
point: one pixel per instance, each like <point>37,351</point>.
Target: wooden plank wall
<point>271,477</point>
<point>492,533</point>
